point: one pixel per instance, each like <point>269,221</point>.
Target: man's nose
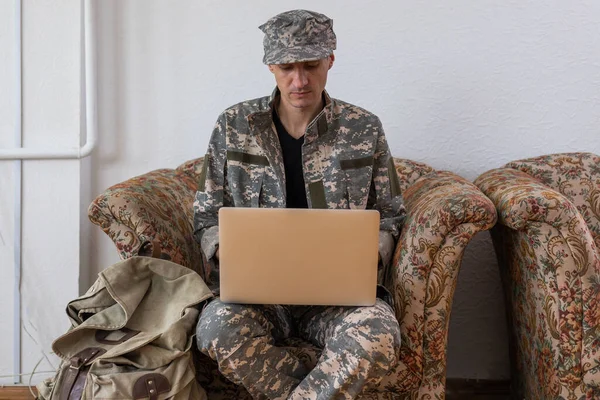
<point>300,78</point>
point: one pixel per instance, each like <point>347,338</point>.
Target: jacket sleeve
<point>210,197</point>
<point>386,198</point>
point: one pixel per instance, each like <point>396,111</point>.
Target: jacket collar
<point>317,127</point>
<point>263,129</point>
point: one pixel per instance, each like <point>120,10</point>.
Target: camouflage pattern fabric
<point>360,345</point>
<point>345,158</point>
<point>297,36</point>
<point>346,164</point>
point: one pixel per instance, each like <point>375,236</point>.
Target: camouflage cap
<point>297,36</point>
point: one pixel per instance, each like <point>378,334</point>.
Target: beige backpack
<point>132,335</point>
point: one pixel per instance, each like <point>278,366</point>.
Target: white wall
<point>50,194</point>
<point>7,126</point>
<point>464,86</point>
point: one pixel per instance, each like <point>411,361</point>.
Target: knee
<point>212,324</point>
<point>222,325</point>
<point>380,346</point>
<point>207,329</point>
<point>376,337</point>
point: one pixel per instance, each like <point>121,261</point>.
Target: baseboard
<point>16,393</point>
<point>477,389</point>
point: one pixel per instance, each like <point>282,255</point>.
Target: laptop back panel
<point>298,256</point>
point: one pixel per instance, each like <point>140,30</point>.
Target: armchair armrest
<point>151,215</point>
<point>520,199</point>
<point>444,211</point>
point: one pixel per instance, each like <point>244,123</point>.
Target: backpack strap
<point>76,373</point>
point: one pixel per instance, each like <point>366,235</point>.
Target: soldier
<point>298,148</point>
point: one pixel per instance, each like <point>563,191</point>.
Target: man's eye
<point>285,67</point>
<point>312,65</point>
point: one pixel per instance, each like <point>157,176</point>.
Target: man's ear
<point>331,60</point>
<point>271,68</point>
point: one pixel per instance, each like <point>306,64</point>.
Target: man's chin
<point>302,104</point>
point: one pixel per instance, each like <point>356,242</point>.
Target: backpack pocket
<point>111,380</point>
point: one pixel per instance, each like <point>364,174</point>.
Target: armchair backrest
<point>576,176</point>
<point>192,167</point>
<point>150,215</point>
<point>410,171</point>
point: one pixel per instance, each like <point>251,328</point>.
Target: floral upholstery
<point>152,215</point>
<point>547,242</point>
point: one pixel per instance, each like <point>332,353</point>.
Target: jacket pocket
<point>358,173</point>
<point>245,174</point>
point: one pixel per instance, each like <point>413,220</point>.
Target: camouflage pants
<point>360,344</point>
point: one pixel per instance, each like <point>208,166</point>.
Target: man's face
<point>301,84</point>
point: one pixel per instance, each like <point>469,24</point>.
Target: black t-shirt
<point>292,161</point>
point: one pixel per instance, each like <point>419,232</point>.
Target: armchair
<point>547,240</point>
<point>152,215</point>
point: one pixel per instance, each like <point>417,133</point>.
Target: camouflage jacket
<point>346,164</point>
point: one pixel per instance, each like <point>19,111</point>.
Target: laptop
<point>298,256</point>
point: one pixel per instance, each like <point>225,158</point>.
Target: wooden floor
<point>457,389</point>
<point>15,392</point>
<point>473,389</point>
